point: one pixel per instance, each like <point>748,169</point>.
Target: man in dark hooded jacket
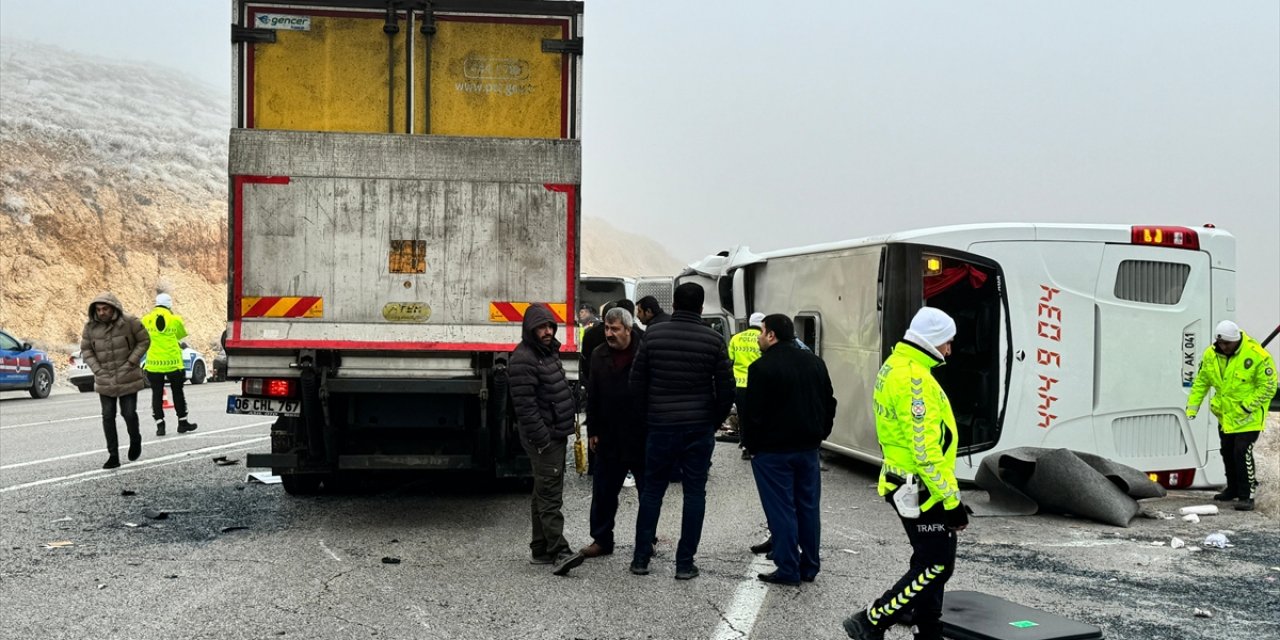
<point>544,409</point>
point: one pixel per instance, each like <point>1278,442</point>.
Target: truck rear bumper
<point>369,462</point>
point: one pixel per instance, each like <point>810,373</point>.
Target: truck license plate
<point>263,406</point>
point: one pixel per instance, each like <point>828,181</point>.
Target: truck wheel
<point>197,373</point>
<point>42,383</point>
<point>304,484</point>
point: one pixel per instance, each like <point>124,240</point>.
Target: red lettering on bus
<point>1048,357</point>
<point>1050,331</point>
<point>1049,311</point>
<point>1049,293</point>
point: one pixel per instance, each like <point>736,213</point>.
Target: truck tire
<point>301,484</point>
<point>42,383</point>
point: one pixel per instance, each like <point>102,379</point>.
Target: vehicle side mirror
<point>26,346</point>
<point>183,344</point>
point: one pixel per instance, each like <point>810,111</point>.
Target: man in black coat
<point>682,383</point>
<point>614,430</point>
<point>790,410</point>
<point>544,408</point>
<point>650,312</point>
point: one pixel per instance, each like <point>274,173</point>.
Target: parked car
<point>24,368</point>
<point>192,361</point>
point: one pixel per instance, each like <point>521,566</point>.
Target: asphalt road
<point>243,560</point>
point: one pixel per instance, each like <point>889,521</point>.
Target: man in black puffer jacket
<point>544,409</point>
<point>683,385</point>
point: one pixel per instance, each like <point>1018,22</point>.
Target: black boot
<point>184,426</point>
<point>1226,496</point>
<point>159,427</point>
<point>135,443</point>
<point>113,446</point>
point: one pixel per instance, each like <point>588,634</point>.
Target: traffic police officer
<point>744,348</point>
<point>917,433</point>
<point>1243,377</point>
<point>164,362</point>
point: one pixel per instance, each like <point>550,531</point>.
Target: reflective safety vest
<point>1243,385</point>
<point>916,427</point>
<point>166,329</point>
<point>744,348</point>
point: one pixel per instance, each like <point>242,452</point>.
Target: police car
<point>192,361</point>
<point>24,368</point>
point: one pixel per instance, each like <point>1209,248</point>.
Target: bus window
<point>809,331</point>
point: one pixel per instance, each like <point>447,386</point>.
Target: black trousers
<point>919,591</point>
<point>1237,458</point>
<point>611,469</point>
<point>175,379</point>
<point>128,406</point>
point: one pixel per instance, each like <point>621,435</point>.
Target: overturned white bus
<point>1084,337</point>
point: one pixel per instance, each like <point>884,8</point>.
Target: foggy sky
<point>713,123</point>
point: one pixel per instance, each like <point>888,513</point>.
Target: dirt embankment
<point>79,233</point>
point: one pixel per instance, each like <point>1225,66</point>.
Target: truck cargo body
<point>403,186</point>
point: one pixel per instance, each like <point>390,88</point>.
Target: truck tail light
<point>270,387</point>
<point>1177,479</point>
<point>1159,236</point>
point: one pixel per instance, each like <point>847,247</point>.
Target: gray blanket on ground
<point>1029,480</point>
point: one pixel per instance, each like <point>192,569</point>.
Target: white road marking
<point>126,470</point>
<point>37,424</point>
<point>104,473</point>
<point>740,616</point>
<point>96,452</point>
<point>331,553</point>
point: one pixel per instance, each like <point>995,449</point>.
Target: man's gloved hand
<point>956,519</point>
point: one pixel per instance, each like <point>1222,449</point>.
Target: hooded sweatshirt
<point>114,349</point>
<point>540,392</point>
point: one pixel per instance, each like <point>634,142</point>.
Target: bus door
<point>1154,318</point>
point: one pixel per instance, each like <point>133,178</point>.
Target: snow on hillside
<point>144,125</point>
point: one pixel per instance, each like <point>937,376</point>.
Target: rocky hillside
<point>113,177</point>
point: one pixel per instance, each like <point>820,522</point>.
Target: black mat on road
<point>1030,480</point>
<point>969,615</point>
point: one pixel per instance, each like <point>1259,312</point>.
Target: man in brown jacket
<point>112,345</point>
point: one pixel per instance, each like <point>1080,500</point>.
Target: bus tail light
<point>270,387</point>
<point>1178,479</point>
<point>1160,236</point>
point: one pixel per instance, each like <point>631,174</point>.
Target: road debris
<point>223,461</point>
<point>390,560</point>
<point>132,525</point>
<point>1200,510</point>
<point>234,528</point>
<point>128,492</point>
<point>1217,540</point>
<point>1177,543</point>
<point>1192,518</point>
<point>60,544</point>
<point>1203,613</point>
<point>158,515</point>
<point>263,477</point>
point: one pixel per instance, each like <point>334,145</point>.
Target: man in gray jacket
<point>112,345</point>
<point>544,409</point>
